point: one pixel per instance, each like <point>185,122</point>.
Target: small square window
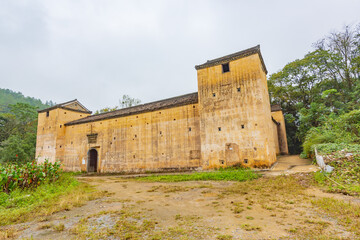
<point>214,94</point>
<point>225,67</point>
<point>190,129</point>
<point>239,89</point>
<point>245,161</point>
<point>219,128</point>
<point>47,113</point>
<point>242,126</point>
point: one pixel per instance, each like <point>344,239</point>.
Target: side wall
<point>279,117</point>
<point>236,125</point>
<point>51,132</point>
<point>276,137</point>
<point>163,140</point>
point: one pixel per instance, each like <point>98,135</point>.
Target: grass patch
<point>248,227</point>
<point>231,174</point>
<point>64,194</point>
<point>347,214</point>
<point>345,178</point>
<point>224,237</point>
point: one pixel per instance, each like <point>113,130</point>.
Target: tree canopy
<point>323,85</point>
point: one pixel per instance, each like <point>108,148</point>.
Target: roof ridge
<point>233,56</point>
<point>62,105</point>
<point>181,100</point>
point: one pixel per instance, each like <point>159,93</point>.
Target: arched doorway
<point>92,160</point>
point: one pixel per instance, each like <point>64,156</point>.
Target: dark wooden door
<point>93,155</point>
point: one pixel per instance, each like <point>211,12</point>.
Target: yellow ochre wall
<point>152,141</point>
<point>162,140</point>
<point>51,133</point>
<point>244,117</point>
<point>281,131</point>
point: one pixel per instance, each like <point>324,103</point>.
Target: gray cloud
<point>97,51</point>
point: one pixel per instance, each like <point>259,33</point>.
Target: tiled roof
<point>191,98</point>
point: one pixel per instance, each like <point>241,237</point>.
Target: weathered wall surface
<point>51,133</point>
<point>228,122</point>
<point>235,117</point>
<point>279,117</point>
<point>276,137</point>
<point>167,139</point>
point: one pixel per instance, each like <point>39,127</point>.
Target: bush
<point>29,175</point>
<point>344,129</point>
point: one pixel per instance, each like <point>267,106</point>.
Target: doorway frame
<point>88,160</point>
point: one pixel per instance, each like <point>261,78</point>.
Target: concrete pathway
<point>289,164</point>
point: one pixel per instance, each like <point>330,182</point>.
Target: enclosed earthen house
<point>229,121</point>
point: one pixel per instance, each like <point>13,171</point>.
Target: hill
<point>8,96</point>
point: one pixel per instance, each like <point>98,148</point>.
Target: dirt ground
<point>273,207</point>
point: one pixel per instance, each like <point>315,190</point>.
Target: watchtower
<point>236,126</point>
<point>51,129</point>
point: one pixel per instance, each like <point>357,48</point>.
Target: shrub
<point>29,175</point>
<point>344,129</point>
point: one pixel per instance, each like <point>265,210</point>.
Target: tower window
<point>214,94</point>
<point>219,128</point>
<point>225,67</point>
<point>238,89</point>
<point>189,129</point>
<point>242,126</point>
<point>47,113</point>
<point>245,161</point>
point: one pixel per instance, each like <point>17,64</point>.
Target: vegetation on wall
<point>319,94</point>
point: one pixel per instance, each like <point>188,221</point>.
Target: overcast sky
<point>96,51</point>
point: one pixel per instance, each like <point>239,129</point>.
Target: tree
<point>127,101</point>
<point>107,109</point>
<point>320,86</point>
<point>18,133</point>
